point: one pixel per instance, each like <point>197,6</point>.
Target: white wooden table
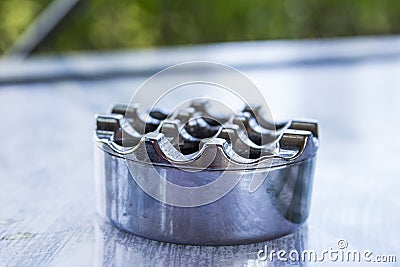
<point>47,104</point>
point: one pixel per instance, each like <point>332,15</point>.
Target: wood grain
<point>47,211</point>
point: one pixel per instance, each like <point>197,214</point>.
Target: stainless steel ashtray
<point>194,178</point>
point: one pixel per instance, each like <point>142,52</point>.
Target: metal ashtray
<point>193,178</point>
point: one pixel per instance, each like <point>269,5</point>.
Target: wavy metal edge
<point>297,141</point>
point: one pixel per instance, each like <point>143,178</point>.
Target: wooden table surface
<point>47,104</point>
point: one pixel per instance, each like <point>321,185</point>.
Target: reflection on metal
<point>44,24</point>
<point>203,183</point>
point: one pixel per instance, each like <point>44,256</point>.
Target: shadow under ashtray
<point>118,248</point>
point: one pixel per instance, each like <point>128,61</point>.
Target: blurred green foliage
<point>105,24</point>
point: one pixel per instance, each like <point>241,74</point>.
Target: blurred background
<point>63,61</point>
<point>103,24</point>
